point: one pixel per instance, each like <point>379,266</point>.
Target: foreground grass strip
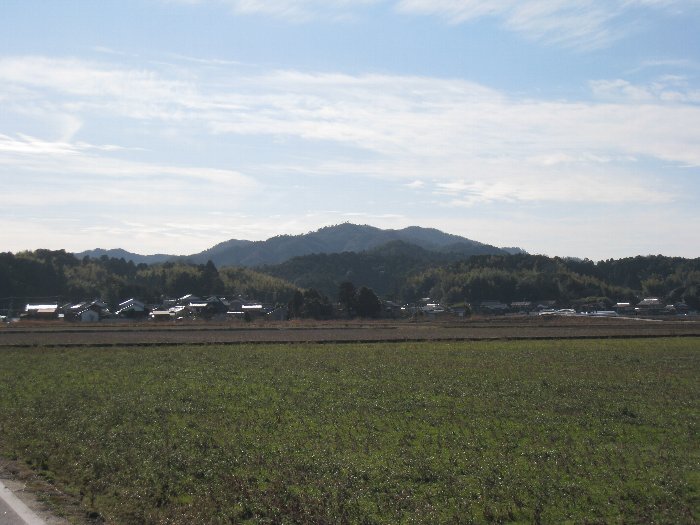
<point>540,431</point>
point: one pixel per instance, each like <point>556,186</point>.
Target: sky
<point>567,128</point>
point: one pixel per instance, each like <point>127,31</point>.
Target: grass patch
<point>542,431</point>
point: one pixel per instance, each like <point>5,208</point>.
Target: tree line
<point>397,271</point>
<point>565,280</point>
<point>58,274</point>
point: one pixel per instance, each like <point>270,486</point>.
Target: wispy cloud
<point>584,24</point>
<point>403,128</point>
<point>88,175</point>
<point>576,186</point>
<point>681,64</point>
<point>291,10</point>
<point>668,88</point>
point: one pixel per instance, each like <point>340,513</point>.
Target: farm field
<point>60,334</point>
<point>540,431</point>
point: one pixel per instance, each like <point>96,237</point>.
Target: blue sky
<point>568,128</point>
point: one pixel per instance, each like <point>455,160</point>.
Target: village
<point>221,309</point>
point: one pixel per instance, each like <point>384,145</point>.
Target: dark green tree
<point>347,297</point>
<point>316,305</point>
<point>368,304</point>
<point>296,304</point>
<point>212,283</point>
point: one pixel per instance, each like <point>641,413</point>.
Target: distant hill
<point>332,239</point>
<point>385,268</point>
<point>118,253</point>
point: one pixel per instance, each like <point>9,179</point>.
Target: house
<point>650,306</point>
<point>187,300</point>
<point>196,309</point>
<point>216,305</point>
<point>205,308</point>
<point>433,308</point>
<point>161,315</point>
<point>493,307</point>
<point>88,312</point>
<point>391,309</point>
<point>682,308</point>
<point>547,305</point>
<point>462,311</point>
<point>132,309</point>
<point>522,307</point>
<point>236,305</point>
<point>253,311</point>
<point>89,315</point>
<point>279,314</point>
<point>41,311</point>
<point>623,308</point>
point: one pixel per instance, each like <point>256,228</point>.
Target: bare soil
<point>193,333</point>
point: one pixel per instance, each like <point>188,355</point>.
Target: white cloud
<point>292,10</point>
<point>84,174</point>
<point>575,186</point>
<point>582,24</point>
<point>462,135</point>
<point>668,88</point>
<point>97,86</point>
<point>578,23</point>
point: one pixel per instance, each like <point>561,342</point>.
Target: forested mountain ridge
<point>385,268</point>
<point>405,273</point>
<point>332,239</point>
<point>119,253</point>
<point>568,281</point>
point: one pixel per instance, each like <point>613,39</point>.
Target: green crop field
<point>598,431</point>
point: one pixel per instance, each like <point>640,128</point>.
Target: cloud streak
<point>39,174</point>
<point>583,24</point>
<point>406,128</point>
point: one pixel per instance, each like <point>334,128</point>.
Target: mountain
<point>332,239</point>
<point>336,239</point>
<point>118,253</point>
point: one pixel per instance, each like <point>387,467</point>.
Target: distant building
<point>623,308</point>
<point>391,309</point>
<point>521,306</point>
<point>279,314</point>
<point>187,300</point>
<point>161,315</point>
<point>87,312</point>
<point>132,309</point>
<point>545,305</point>
<point>493,307</point>
<point>650,306</point>
<point>41,311</point>
<point>682,308</point>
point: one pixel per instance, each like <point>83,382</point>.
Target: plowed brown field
<point>60,334</point>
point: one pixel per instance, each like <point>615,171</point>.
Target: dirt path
<point>19,505</point>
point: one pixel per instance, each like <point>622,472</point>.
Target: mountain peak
<point>344,237</point>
